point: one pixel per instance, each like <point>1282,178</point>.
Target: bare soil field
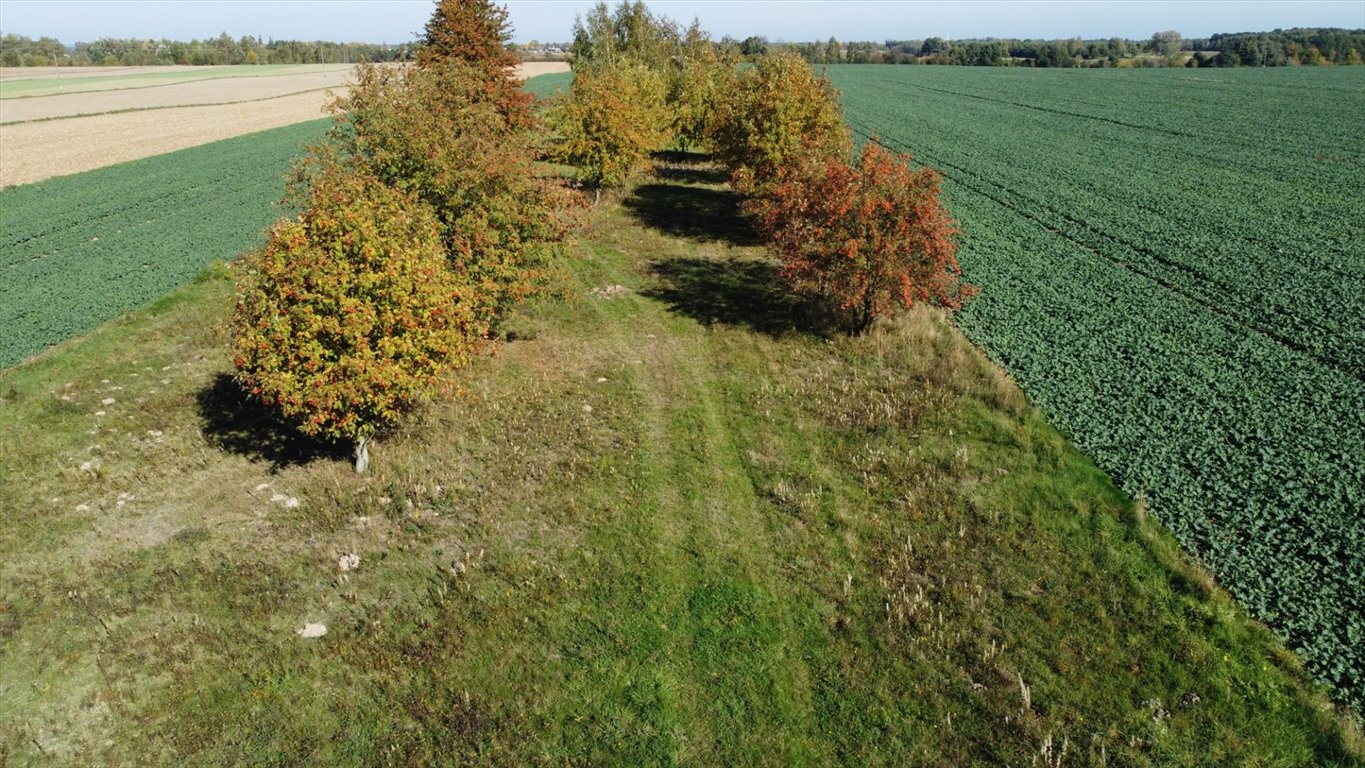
<point>28,73</point>
<point>133,93</point>
<point>160,119</point>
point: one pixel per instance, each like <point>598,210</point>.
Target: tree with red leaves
<point>873,238</point>
<point>472,35</point>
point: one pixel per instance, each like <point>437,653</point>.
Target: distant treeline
<point>1282,47</point>
<point>21,51</point>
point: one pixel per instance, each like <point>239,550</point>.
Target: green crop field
<point>1172,265</point>
<point>545,86</point>
<point>78,251</point>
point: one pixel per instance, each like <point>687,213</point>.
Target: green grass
<point>11,88</point>
<point>77,251</point>
<point>672,523</point>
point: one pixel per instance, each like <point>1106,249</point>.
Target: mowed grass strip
<point>672,523</point>
<point>80,250</point>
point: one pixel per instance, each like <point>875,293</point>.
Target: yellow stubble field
<point>55,122</point>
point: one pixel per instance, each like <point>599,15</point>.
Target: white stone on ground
<point>312,630</point>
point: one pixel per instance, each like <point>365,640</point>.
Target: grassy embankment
<point>669,524</point>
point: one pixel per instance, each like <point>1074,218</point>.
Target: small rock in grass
<point>601,379</point>
<point>349,561</point>
<point>312,630</point>
<point>587,409</point>
<point>108,401</point>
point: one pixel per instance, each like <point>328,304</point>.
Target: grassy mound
<point>672,522</point>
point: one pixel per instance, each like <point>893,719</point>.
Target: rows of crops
<point>78,251</point>
<point>1173,266</point>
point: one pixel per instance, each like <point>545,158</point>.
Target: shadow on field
<point>244,427</point>
<point>699,214</point>
<point>734,291</point>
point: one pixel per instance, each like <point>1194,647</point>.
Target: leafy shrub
<point>436,133</point>
<point>775,111</point>
<point>349,315</point>
<point>871,238</point>
<point>613,118</point>
<point>703,74</point>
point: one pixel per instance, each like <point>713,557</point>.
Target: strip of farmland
<point>78,251</point>
<point>1173,266</point>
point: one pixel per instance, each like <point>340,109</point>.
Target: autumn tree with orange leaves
<point>423,220</point>
<point>872,238</point>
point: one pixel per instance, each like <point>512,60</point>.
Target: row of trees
<point>21,51</point>
<point>423,218</point>
<point>866,236</point>
<point>1165,48</point>
<point>423,221</point>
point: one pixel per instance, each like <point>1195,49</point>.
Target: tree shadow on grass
<point>699,214</point>
<point>735,291</point>
<point>235,423</point>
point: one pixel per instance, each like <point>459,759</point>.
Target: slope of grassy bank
<point>669,524</point>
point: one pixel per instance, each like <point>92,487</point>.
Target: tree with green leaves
<point>1165,43</point>
<point>436,132</point>
<point>610,123</point>
<point>774,111</point>
<point>702,75</point>
<point>629,35</point>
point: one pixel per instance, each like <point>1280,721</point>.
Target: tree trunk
<point>362,455</point>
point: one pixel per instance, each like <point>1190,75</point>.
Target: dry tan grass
<point>35,151</point>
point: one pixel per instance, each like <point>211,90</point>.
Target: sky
<point>395,21</point>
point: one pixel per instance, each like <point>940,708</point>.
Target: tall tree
<point>475,32</point>
<point>472,35</point>
<point>1166,43</point>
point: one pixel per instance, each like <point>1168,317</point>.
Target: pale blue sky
<point>551,20</point>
